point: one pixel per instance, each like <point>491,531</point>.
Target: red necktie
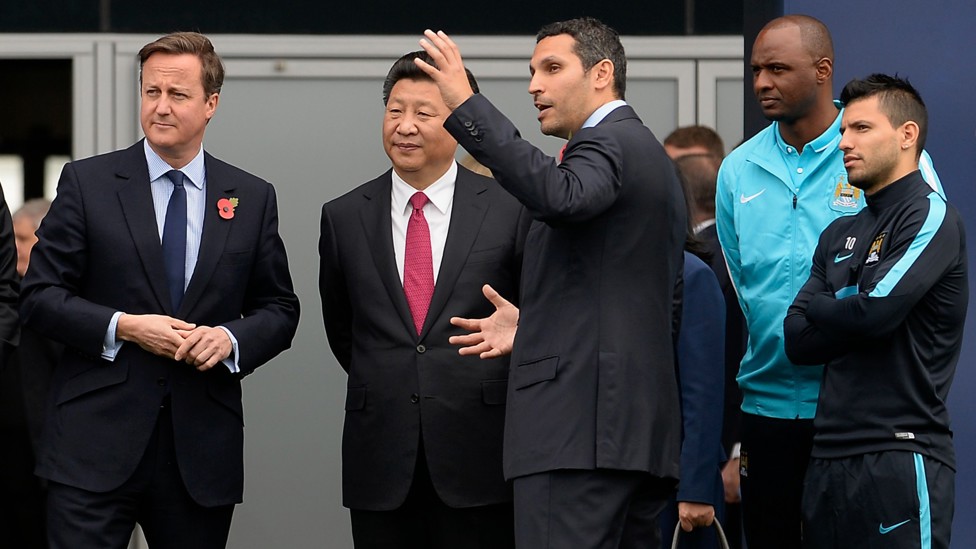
<point>418,264</point>
<point>562,152</point>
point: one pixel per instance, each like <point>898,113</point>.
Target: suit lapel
<point>467,215</point>
<point>378,228</point>
<point>135,198</point>
<point>215,231</point>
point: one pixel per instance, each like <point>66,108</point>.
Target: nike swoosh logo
<point>885,529</point>
<point>838,258</point>
<point>743,198</point>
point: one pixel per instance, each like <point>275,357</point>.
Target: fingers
<point>479,349</point>
<point>694,515</point>
<point>436,53</point>
<point>204,347</point>
<point>466,340</point>
<point>493,353</point>
<point>494,297</point>
<point>445,48</point>
<point>178,324</point>
<point>469,324</point>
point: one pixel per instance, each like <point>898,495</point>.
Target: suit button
<point>161,382</point>
<point>415,398</point>
<point>468,124</point>
<point>421,349</point>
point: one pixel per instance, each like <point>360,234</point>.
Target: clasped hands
<point>199,346</point>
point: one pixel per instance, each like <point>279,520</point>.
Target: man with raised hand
<point>592,432</point>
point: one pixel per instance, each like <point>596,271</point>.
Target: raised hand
<point>449,73</point>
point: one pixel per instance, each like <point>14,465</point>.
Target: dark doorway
<point>37,117</point>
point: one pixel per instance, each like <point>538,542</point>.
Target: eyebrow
<point>545,60</point>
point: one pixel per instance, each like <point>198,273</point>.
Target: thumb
<point>494,297</point>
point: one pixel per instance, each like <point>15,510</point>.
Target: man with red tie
<point>399,256</point>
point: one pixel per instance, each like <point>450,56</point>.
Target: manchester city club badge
<point>846,196</point>
<point>874,253</point>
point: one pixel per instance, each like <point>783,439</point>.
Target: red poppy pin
<point>225,206</point>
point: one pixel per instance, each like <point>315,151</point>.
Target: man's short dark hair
<point>594,42</point>
<point>405,68</point>
<point>699,174</point>
<point>194,43</point>
<point>897,99</point>
<point>697,136</point>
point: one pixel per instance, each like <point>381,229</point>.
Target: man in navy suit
<point>592,431</point>
<point>422,441</point>
<point>161,270</point>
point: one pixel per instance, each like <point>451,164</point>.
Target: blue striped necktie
<point>174,240</point>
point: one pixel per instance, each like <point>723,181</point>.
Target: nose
<point>407,126</point>
<point>535,86</point>
<point>761,81</point>
<point>845,142</point>
<point>163,105</point>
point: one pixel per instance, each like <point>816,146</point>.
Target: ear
<point>908,135</point>
<point>825,69</point>
<point>212,105</point>
<point>602,74</point>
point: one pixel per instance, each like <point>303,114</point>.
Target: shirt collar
<point>440,193</point>
<point>601,113</point>
<point>824,140</point>
<point>195,171</point>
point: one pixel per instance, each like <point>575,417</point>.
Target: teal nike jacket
<point>772,203</point>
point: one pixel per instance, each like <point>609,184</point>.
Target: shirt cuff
<point>110,347</point>
<point>232,362</point>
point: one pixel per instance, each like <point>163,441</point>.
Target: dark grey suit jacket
<point>593,382</point>
<point>401,384</point>
<point>98,252</point>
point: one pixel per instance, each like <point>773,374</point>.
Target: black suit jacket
<point>98,252</point>
<point>593,382</point>
<point>401,384</point>
<point>9,284</point>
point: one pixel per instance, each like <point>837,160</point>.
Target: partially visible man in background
<point>21,506</point>
<point>695,140</point>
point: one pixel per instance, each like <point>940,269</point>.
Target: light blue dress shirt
<point>601,113</point>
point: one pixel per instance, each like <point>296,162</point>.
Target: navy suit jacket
<point>402,384</point>
<point>99,252</point>
<point>701,352</point>
<point>736,338</point>
<point>593,382</point>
